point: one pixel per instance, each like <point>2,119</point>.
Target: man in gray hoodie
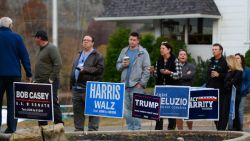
<point>134,63</point>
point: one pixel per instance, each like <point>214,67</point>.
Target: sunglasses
<point>165,42</point>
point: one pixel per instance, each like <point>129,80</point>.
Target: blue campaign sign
<point>33,101</point>
<point>174,101</point>
<point>146,106</point>
<point>232,108</point>
<point>104,99</point>
<point>204,104</point>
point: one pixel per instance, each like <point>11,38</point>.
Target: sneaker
<point>78,130</point>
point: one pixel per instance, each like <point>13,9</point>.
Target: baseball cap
<point>42,34</point>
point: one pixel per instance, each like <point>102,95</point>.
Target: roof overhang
<point>182,16</point>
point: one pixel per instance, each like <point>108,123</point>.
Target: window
<point>173,29</point>
<point>200,31</point>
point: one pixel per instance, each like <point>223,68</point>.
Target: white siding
<point>248,27</point>
<point>232,28</point>
<point>204,51</point>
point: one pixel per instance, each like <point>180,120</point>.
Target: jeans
<point>6,84</point>
<point>57,110</point>
<point>132,123</point>
<point>241,110</point>
<point>78,100</point>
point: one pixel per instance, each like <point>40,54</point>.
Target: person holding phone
<point>88,66</point>
<point>168,71</point>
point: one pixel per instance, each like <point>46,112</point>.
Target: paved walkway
<point>150,125</point>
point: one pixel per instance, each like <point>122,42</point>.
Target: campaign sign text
<point>104,99</point>
<point>174,101</point>
<point>204,104</point>
<point>146,106</point>
<point>33,101</point>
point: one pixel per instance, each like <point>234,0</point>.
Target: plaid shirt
<point>178,74</point>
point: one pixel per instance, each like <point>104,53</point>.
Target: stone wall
<point>44,133</point>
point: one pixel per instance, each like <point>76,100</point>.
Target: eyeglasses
<point>87,40</point>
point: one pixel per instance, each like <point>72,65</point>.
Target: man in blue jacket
<point>13,53</point>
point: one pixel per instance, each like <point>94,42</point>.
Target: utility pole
<point>78,16</point>
<point>54,23</point>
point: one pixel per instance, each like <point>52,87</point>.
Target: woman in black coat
<point>233,78</point>
<point>167,73</point>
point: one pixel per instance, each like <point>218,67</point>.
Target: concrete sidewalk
<point>150,125</point>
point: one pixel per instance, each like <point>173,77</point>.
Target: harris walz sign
<point>104,99</point>
<point>33,101</point>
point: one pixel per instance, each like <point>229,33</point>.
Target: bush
<point>201,72</point>
<point>116,42</point>
<point>247,58</point>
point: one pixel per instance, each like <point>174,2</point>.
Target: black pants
<point>224,111</point>
<point>171,124</point>
<point>57,110</point>
<point>6,85</point>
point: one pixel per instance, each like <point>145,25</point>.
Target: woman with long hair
<point>168,72</point>
<point>244,86</point>
<point>233,78</point>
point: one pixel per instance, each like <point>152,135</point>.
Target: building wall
<point>248,16</point>
<point>232,28</point>
<point>203,51</point>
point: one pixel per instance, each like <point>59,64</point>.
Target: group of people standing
<point>135,67</point>
<point>223,73</point>
<point>136,70</point>
<point>13,54</point>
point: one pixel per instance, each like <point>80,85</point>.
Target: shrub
<point>201,72</point>
<point>247,58</point>
<point>116,42</point>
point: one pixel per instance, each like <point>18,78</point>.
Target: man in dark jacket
<point>217,70</point>
<point>12,53</point>
<point>47,70</point>
<point>88,66</point>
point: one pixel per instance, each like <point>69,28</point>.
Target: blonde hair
<point>233,64</point>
